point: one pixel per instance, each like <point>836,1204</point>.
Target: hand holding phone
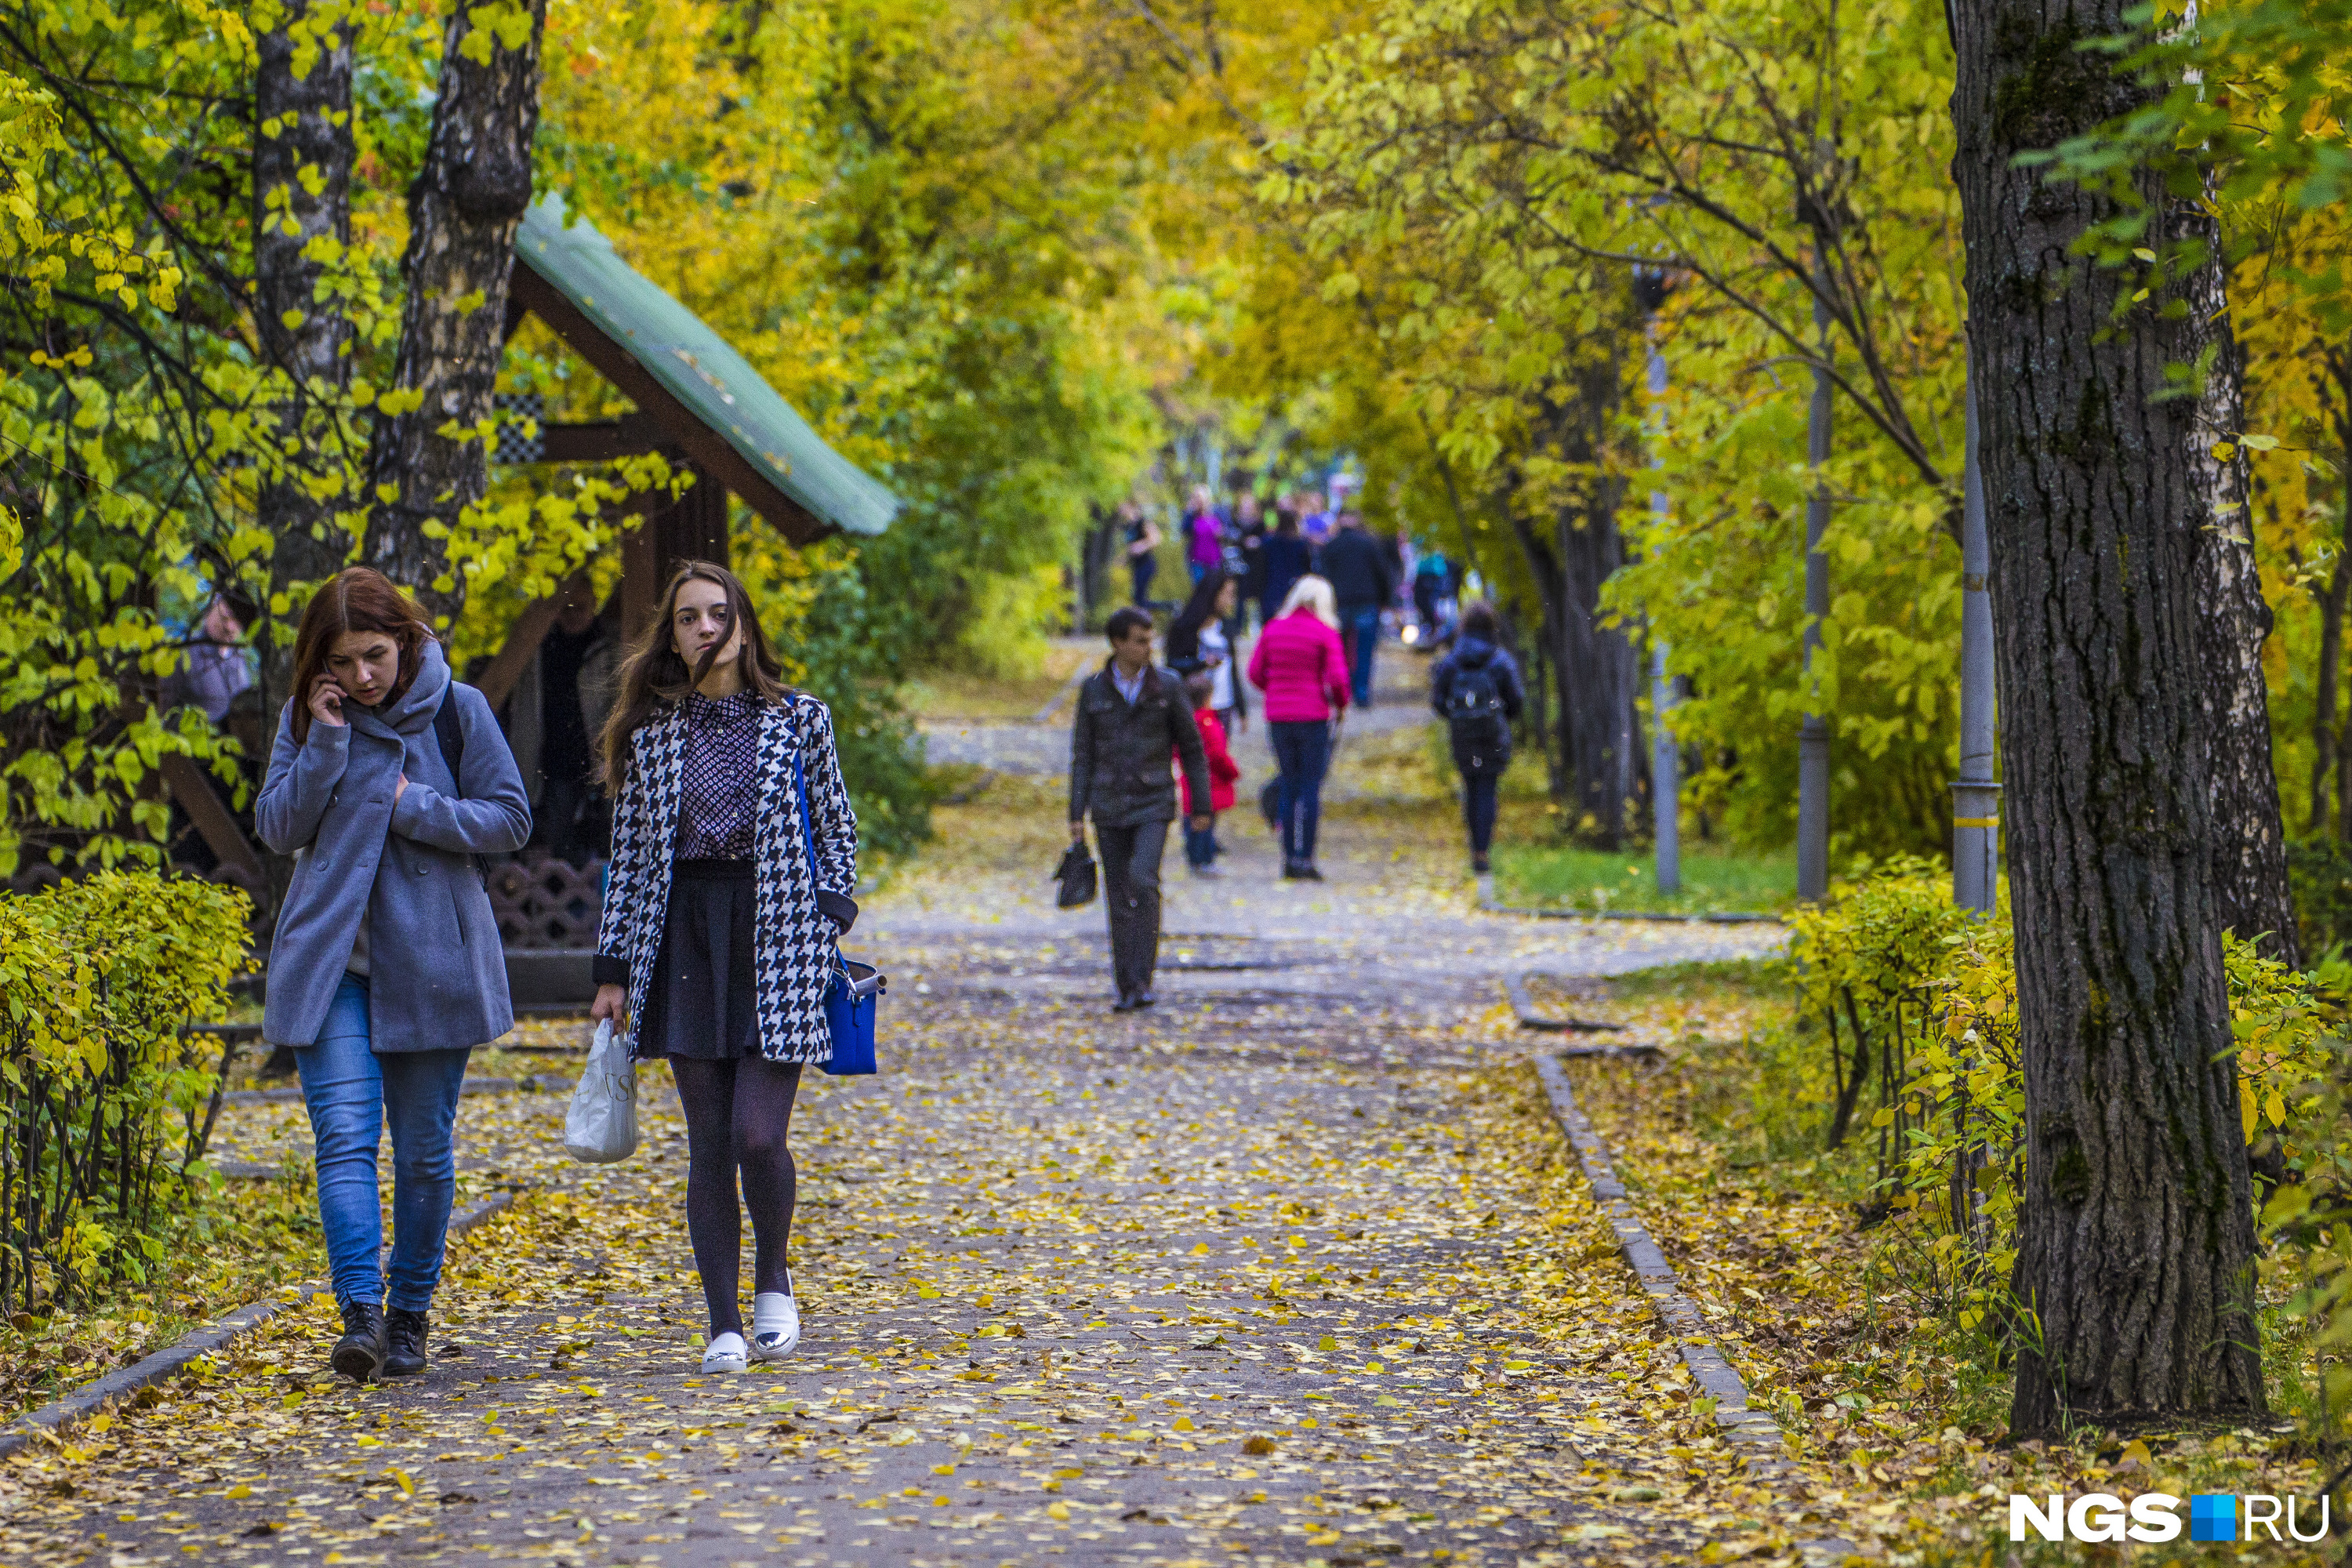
<point>326,701</point>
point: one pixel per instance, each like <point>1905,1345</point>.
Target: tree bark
<point>302,155</point>
<point>1598,671</point>
<point>2135,1260</point>
<point>2249,837</point>
<point>2324,738</point>
<point>2338,363</point>
<point>432,461</point>
<point>1597,768</point>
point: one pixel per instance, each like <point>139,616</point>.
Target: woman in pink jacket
<point>1301,666</point>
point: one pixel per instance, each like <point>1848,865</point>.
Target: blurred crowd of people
<point>1323,590</point>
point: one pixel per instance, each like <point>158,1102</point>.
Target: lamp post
<point>1666,761</point>
<point>1813,737</point>
<point>1976,799</point>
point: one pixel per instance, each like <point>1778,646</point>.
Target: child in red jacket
<point>1200,848</point>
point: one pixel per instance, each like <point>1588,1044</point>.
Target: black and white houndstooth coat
<point>796,924</point>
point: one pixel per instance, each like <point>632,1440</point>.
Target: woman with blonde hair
<point>1302,666</point>
<point>734,857</point>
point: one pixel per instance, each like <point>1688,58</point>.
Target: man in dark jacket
<point>1363,583</point>
<point>1476,690</point>
<point>1131,717</point>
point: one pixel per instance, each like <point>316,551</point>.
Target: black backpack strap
<point>451,734</point>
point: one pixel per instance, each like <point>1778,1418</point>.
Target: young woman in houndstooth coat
<point>717,940</point>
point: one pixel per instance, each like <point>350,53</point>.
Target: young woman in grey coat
<point>734,861</point>
<point>387,969</point>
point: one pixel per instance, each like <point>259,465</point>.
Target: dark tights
<point>738,1114</point>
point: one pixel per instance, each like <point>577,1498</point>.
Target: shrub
<point>105,1099</point>
<point>1909,991</point>
<point>2319,874</point>
<point>1870,963</point>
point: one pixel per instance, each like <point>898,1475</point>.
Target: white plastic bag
<point>601,1125</point>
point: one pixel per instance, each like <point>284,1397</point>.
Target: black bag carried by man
<point>1076,875</point>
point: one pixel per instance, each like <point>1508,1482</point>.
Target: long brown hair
<point>654,678</point>
<point>355,599</point>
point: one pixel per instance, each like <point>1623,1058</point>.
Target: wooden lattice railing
<point>547,903</point>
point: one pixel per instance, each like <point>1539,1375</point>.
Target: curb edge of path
<point>1488,906</point>
<point>1515,984</point>
<point>88,1400</point>
<point>1753,1430</point>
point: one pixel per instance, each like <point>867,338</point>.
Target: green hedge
<point>106,1100</point>
<point>1919,1002</point>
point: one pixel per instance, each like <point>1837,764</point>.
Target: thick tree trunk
<point>2136,1234</point>
<point>1598,671</point>
<point>302,155</point>
<point>463,211</point>
<point>1597,767</point>
<point>2250,881</point>
<point>1544,569</point>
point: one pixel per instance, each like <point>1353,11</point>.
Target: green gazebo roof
<point>664,358</point>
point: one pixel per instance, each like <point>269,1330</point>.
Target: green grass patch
<point>1593,881</point>
<point>1765,980</point>
<point>946,691</point>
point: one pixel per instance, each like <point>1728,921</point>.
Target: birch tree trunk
<point>432,459</point>
<point>2250,881</point>
<point>2136,1234</point>
<point>302,154</point>
<point>2324,735</point>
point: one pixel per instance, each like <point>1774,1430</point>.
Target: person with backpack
<point>1476,690</point>
<point>388,781</point>
<point>734,867</point>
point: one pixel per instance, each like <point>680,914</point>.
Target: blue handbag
<point>853,990</point>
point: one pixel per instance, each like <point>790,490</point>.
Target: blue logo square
<point>2214,1516</point>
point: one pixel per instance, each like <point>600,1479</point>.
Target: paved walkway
<point>1043,749</point>
<point>1290,1269</point>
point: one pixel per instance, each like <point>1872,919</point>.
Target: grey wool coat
<point>440,975</point>
<point>799,910</point>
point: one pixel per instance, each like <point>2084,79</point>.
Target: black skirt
<point>703,1003</point>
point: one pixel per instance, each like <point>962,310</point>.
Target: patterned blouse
<point>720,797</point>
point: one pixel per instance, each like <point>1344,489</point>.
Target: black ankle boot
<point>404,1333</point>
<point>358,1354</point>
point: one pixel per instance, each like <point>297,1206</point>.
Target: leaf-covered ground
<point>1896,1424</point>
<point>1291,1269</point>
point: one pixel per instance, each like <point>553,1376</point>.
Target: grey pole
<point>1813,737</point>
<point>1666,763</point>
<point>1976,799</point>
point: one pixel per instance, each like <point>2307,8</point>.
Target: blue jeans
<point>1302,750</point>
<point>1200,846</point>
<point>1362,626</point>
<point>1482,789</point>
<point>349,1090</point>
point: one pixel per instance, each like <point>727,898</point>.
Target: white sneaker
<point>775,1325</point>
<point>727,1354</point>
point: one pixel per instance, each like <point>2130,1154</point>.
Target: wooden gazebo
<point>701,404</point>
<point>697,400</point>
